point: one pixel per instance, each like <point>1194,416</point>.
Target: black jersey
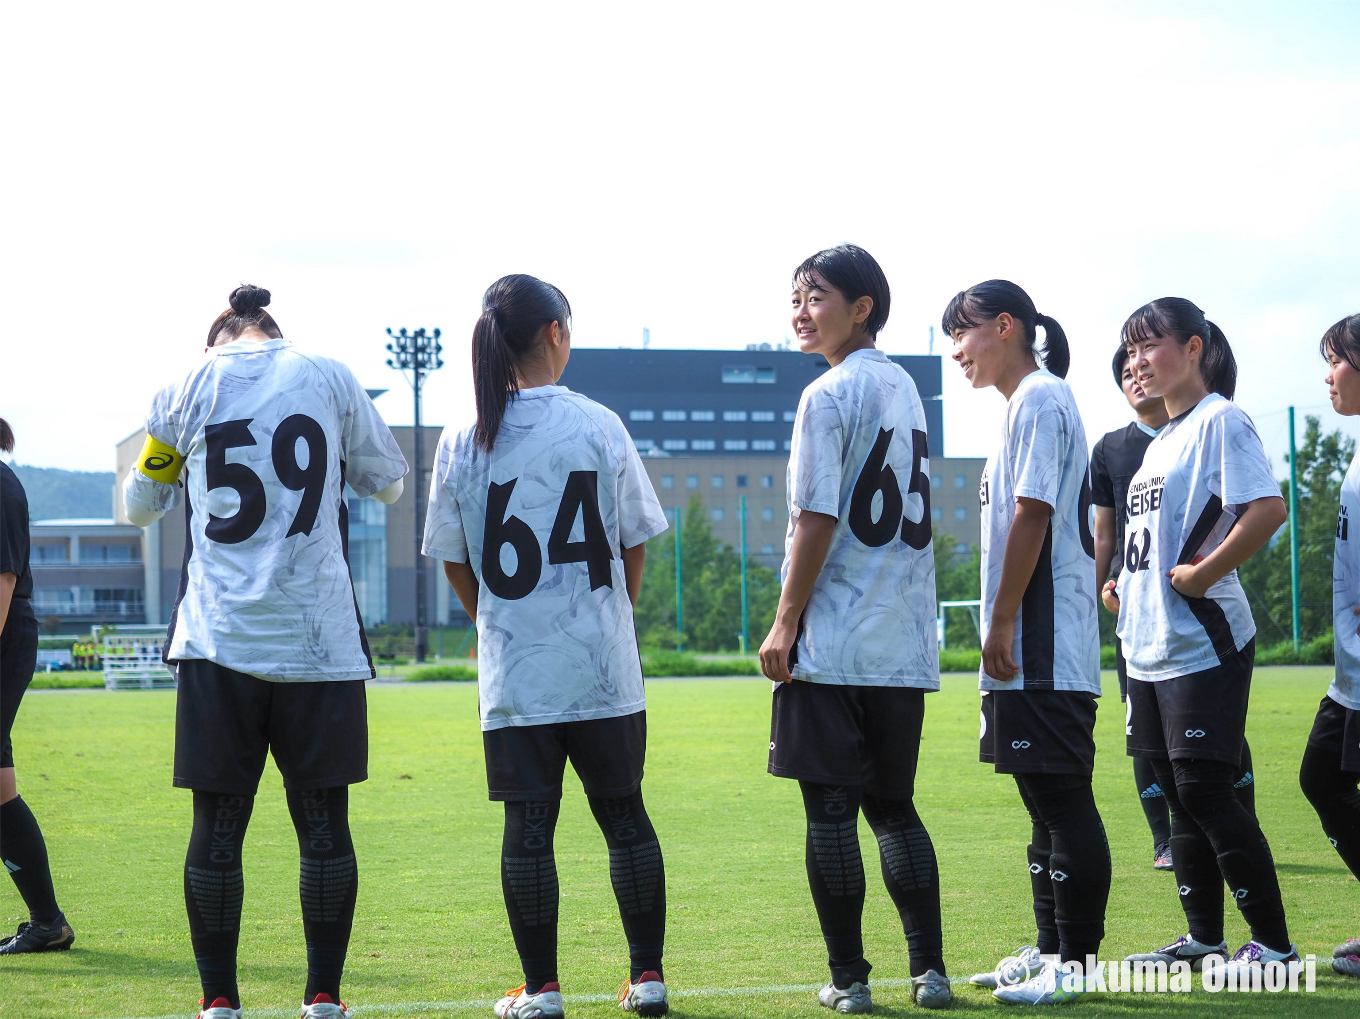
<point>14,532</point>
<point>1114,462</point>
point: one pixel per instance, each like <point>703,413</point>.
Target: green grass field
<point>431,936</point>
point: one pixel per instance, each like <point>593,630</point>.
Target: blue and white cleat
<point>852,1000</point>
<point>646,997</point>
<point>1044,988</point>
<point>1016,968</point>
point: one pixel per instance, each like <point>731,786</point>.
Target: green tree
<point>958,577</point>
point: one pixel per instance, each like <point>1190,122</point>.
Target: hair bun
<point>247,299</point>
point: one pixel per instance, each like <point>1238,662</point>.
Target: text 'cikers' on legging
<point>1069,864</point>
<point>529,881</point>
<point>1215,839</point>
<point>1336,798</point>
<point>214,889</point>
<point>836,876</point>
<point>1153,799</point>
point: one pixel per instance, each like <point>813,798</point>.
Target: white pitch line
<point>424,1007</point>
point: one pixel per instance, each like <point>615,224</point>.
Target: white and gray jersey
<point>542,519</point>
<point>1043,456</point>
<point>270,437</point>
<point>859,454</point>
<point>1197,476</point>
<point>1345,688</point>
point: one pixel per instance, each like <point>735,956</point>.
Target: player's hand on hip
<point>1108,598</point>
<point>996,651</point>
<point>1186,579</point>
<point>774,653</point>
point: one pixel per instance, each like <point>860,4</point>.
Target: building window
<point>767,549</point>
<point>701,415</point>
<point>762,415</point>
<point>936,513</point>
<point>644,444</point>
<point>734,415</point>
<point>676,444</point>
<point>106,554</point>
<point>763,445</point>
<point>790,415</point>
<point>936,481</point>
<point>641,415</point>
<point>48,553</point>
<point>960,514</point>
<point>672,415</point>
<point>767,513</point>
<point>767,481</point>
<point>702,444</point>
<point>788,445</point>
<point>765,375</point>
<point>741,481</point>
<point>739,373</point>
<point>717,513</point>
<point>692,481</point>
<point>668,481</point>
<point>960,481</point>
<point>717,481</point>
<point>734,445</point>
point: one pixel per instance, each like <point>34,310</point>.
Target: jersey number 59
<point>309,480</point>
<point>581,496</point>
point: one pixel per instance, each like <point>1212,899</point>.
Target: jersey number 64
<point>581,496</point>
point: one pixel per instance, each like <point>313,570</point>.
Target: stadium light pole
<point>417,353</point>
<point>679,589</point>
<point>745,636</point>
<point>1293,529</point>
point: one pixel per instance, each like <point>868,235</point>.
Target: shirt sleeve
<point>641,517</point>
<point>1244,468</point>
<point>445,538</point>
<point>164,424</point>
<point>372,458</point>
<point>14,533</point>
<point>818,455</point>
<point>1040,436</point>
<point>1102,485</point>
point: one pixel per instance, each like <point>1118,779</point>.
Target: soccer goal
<point>972,608</point>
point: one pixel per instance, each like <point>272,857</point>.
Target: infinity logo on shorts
<point>1019,744</point>
<point>1194,733</point>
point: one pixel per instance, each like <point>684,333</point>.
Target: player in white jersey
<point>1330,772</point>
<point>1040,673</point>
<point>541,513</point>
<point>1202,503</point>
<point>853,649</point>
<point>259,442</point>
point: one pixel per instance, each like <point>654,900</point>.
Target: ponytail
<point>514,309</point>
<point>987,300</point>
<point>1177,319</point>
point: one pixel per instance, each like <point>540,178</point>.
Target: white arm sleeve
<point>391,493</point>
<point>145,501</point>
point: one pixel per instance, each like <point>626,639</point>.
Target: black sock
<point>1078,863</point>
<point>1198,881</point>
<point>529,883</point>
<point>907,858</point>
<point>836,876</point>
<point>213,889</point>
<point>1037,855</point>
<point>638,876</point>
<point>1153,801</point>
<point>1334,795</point>
<point>1244,784</point>
<point>25,856</point>
<point>1205,788</point>
<point>328,884</point>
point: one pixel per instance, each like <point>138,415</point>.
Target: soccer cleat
<point>646,997</point>
<point>1347,965</point>
<point>56,936</point>
<point>220,1009</point>
<point>1161,857</point>
<point>1254,955</point>
<point>852,1000</point>
<point>1351,947</point>
<point>323,1007</point>
<point>1044,988</point>
<point>930,990</point>
<point>1016,968</point>
<point>1183,949</point>
<point>546,1004</point>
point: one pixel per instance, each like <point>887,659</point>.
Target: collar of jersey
<point>872,353</point>
<point>248,347</point>
<point>540,391</point>
<point>1148,429</point>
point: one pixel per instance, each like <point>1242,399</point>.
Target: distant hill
<point>53,493</point>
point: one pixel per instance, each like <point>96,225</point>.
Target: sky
<point>667,165</point>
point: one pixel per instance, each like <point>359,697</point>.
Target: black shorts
<point>1336,729</point>
<point>18,657</point>
<point>527,762</point>
<point>1038,732</point>
<point>1121,669</point>
<point>1201,716</point>
<point>866,736</point>
<point>226,722</point>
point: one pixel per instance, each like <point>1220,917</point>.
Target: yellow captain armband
<point>160,462</point>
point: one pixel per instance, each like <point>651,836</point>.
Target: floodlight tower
<point>417,353</point>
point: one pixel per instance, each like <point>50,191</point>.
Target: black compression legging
<point>529,882</point>
<point>1069,864</point>
<point>836,875</point>
<point>1215,839</point>
<point>1153,799</point>
<point>1334,796</point>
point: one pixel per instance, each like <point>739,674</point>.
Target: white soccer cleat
<point>1183,949</point>
<point>1044,988</point>
<point>1016,968</point>
<point>646,997</point>
<point>323,1007</point>
<point>852,1000</point>
<point>1254,955</point>
<point>220,1009</point>
<point>546,1004</point>
<point>931,990</point>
